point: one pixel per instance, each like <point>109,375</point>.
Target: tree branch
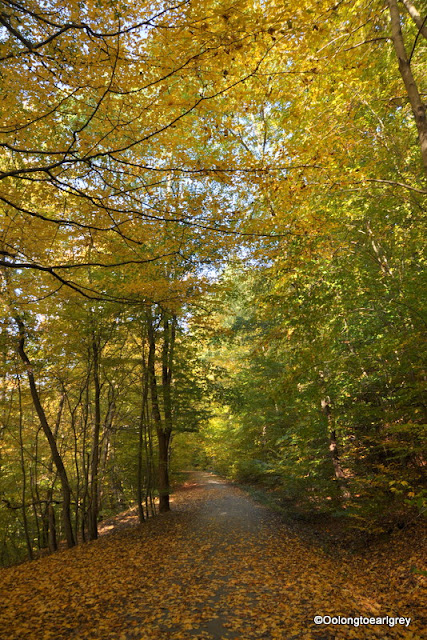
<point>421,24</point>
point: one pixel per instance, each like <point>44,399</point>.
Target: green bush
<point>249,471</point>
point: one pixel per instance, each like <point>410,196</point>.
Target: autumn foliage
<point>211,254</point>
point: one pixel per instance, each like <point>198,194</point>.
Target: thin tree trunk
<point>49,520</point>
<point>149,457</point>
<point>162,435</point>
<point>24,478</point>
<point>85,510</point>
<point>418,107</point>
<point>167,363</point>
<point>334,451</point>
<point>56,456</point>
<point>166,432</point>
<point>53,544</point>
<point>76,464</point>
<point>164,489</point>
<point>34,502</point>
<point>142,435</point>
<point>93,506</point>
<point>85,460</point>
<point>105,440</point>
<point>419,21</point>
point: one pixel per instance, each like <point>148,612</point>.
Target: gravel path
<point>228,526</point>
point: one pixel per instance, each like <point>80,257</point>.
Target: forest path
<point>218,566</point>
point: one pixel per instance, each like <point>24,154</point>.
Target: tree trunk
<point>149,456</point>
<point>53,544</point>
<point>93,504</point>
<point>85,458</point>
<point>167,360</point>
<point>421,24</point>
<point>333,448</point>
<point>142,435</point>
<point>163,435</point>
<point>418,107</point>
<point>24,478</point>
<point>56,456</point>
<point>106,441</point>
<point>49,520</point>
<point>164,489</point>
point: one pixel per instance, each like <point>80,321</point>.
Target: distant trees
<point>90,400</point>
<point>320,357</point>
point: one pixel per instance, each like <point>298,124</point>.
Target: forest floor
<point>218,566</point>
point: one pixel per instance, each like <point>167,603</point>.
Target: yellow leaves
<point>216,567</point>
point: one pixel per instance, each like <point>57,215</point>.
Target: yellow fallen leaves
<point>216,567</point>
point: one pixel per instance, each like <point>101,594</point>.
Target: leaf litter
<point>217,566</point>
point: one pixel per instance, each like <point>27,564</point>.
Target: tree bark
<point>163,434</point>
<point>56,456</point>
<point>24,479</point>
<point>94,465</point>
<point>419,21</point>
<point>163,437</point>
<point>53,544</point>
<point>333,448</point>
<point>48,517</point>
<point>418,107</point>
<point>167,368</point>
<point>142,434</point>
